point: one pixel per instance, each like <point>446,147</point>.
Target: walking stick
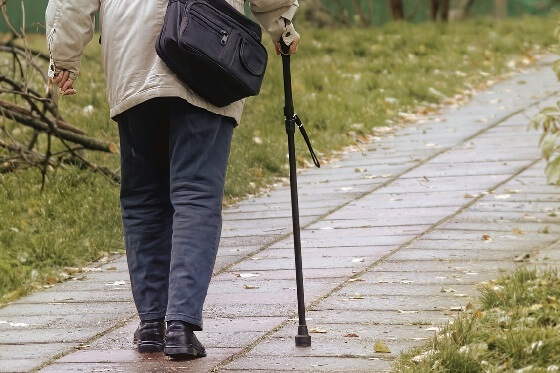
<point>303,339</point>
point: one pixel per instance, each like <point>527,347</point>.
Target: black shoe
<point>181,343</point>
<point>149,336</point>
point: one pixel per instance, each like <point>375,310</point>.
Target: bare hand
<point>293,47</point>
<point>64,83</point>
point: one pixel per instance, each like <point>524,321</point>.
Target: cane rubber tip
<point>303,340</point>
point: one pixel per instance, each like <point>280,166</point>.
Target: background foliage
<point>548,121</point>
<point>337,12</point>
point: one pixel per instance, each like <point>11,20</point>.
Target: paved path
<point>384,230</point>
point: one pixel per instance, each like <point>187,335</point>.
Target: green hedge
<point>376,10</point>
<point>34,15</point>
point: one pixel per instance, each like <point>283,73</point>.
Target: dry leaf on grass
<point>423,356</point>
<point>474,349</point>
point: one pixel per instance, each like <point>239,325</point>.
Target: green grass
<point>516,325</point>
<point>346,82</point>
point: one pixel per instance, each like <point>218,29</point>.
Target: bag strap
<point>307,141</point>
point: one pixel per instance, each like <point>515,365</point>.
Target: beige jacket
<point>129,29</point>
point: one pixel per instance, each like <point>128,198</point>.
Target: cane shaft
<point>302,339</point>
<point>296,227</point>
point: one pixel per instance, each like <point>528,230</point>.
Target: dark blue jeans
<point>174,157</point>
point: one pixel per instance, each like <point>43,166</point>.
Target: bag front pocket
<point>200,30</point>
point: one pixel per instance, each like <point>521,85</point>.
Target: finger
<point>277,47</point>
<point>67,85</point>
<point>57,78</point>
<point>294,46</point>
<point>63,79</point>
<point>69,92</point>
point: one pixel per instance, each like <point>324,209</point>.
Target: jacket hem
<point>155,92</point>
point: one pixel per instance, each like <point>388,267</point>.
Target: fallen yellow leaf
<point>316,330</point>
<point>381,347</point>
<point>358,296</point>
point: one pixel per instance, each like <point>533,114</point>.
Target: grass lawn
<point>515,327</point>
<point>346,83</point>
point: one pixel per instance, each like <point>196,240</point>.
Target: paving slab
<point>408,287</point>
<point>445,266</point>
<point>10,365</point>
<point>425,278</point>
<point>131,361</point>
<point>377,317</point>
<point>337,346</point>
<point>310,364</point>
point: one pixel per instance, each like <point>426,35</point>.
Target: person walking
<point>174,149</point>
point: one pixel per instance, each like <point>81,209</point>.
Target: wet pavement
<point>449,201</point>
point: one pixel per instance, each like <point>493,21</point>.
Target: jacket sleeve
<point>275,16</point>
<point>70,27</point>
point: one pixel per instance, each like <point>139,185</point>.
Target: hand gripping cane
<point>303,339</point>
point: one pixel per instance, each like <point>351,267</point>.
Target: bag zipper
<point>188,9</point>
<point>224,33</point>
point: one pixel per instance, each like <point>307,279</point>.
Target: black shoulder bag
<point>214,49</point>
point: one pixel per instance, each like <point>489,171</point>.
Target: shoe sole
<point>148,347</point>
<point>183,352</point>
